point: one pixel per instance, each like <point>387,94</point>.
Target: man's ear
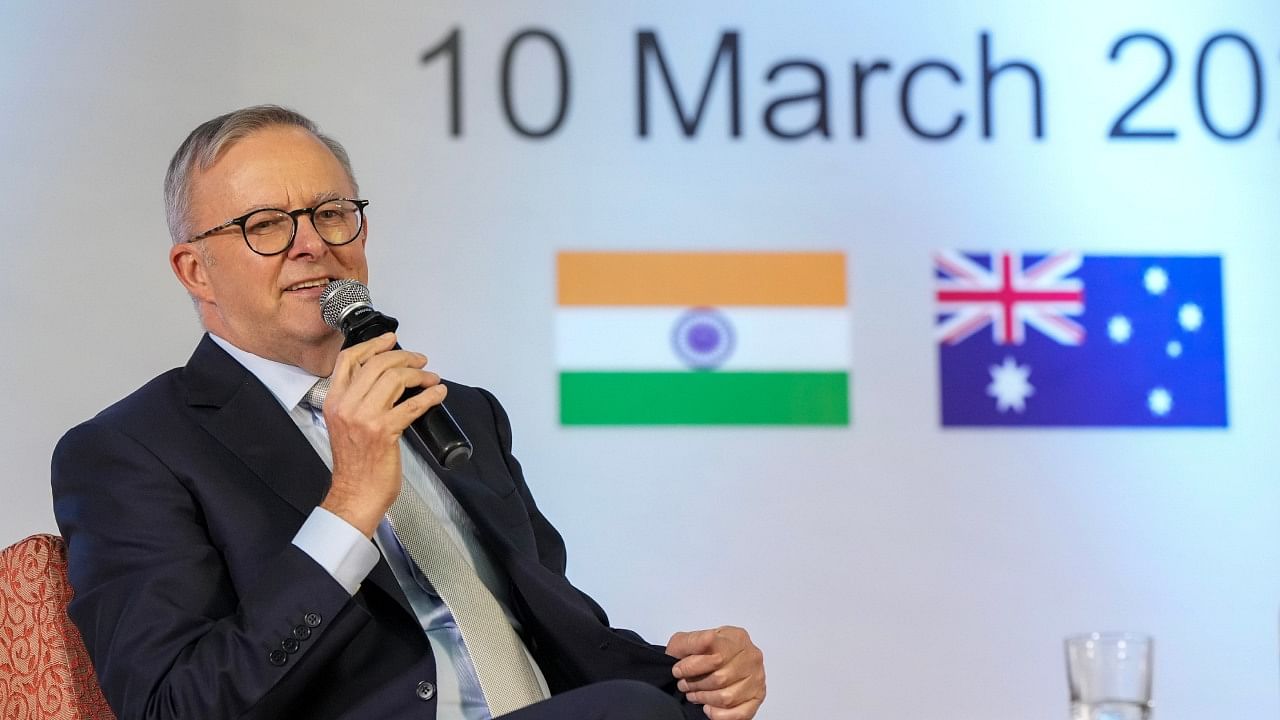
<point>190,265</point>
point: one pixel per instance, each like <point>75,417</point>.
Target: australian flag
<point>1068,339</point>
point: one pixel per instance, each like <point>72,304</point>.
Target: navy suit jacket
<point>179,505</point>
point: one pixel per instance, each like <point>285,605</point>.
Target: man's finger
<point>409,410</point>
<point>359,354</point>
<point>352,358</point>
<point>684,644</point>
<point>745,662</point>
<point>699,669</point>
<point>724,674</point>
<point>745,711</point>
<point>392,383</point>
<point>365,378</point>
<point>726,697</point>
<point>721,645</point>
<point>385,361</point>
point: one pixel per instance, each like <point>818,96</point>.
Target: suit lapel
<point>247,419</point>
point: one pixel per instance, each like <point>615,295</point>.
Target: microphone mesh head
<point>340,295</point>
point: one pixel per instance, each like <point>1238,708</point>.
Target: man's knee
<point>635,700</point>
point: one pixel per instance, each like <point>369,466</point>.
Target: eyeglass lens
<point>337,222</point>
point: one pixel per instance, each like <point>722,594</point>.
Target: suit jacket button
<point>290,645</point>
<point>426,690</point>
<point>312,619</point>
<point>277,657</point>
<point>301,632</point>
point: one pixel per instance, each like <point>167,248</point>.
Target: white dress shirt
<point>348,556</point>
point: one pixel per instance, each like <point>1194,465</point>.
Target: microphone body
<point>436,429</point>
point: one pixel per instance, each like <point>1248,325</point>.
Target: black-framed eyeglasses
<point>270,231</point>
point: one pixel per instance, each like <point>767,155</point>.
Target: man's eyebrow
<point>324,197</point>
<point>316,199</point>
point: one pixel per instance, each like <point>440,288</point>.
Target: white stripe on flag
<point>631,338</point>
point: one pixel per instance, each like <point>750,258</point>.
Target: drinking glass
<point>1109,675</point>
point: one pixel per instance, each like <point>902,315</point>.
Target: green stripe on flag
<point>704,398</point>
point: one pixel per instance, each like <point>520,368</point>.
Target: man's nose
<point>306,241</point>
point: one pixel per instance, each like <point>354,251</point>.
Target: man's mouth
<point>308,284</point>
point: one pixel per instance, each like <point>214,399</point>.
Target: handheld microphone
<point>346,307</point>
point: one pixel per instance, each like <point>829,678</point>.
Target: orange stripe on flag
<point>701,278</point>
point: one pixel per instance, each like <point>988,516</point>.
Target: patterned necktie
<point>501,665</point>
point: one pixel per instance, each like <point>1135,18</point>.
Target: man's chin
<point>313,335</point>
<point>324,336</point>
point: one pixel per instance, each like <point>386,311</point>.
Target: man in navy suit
<point>228,539</point>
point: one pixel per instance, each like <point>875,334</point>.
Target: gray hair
<point>203,146</point>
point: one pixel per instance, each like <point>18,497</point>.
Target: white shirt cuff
<point>338,547</point>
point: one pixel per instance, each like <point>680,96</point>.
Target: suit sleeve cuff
<point>343,551</point>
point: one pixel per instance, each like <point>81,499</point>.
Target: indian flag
<point>702,338</point>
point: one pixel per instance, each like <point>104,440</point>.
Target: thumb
<point>684,644</point>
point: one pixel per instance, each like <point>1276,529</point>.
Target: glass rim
<point>1109,636</point>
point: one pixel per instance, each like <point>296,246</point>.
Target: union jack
<point>1008,296</point>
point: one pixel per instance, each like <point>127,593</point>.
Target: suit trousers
<point>608,700</point>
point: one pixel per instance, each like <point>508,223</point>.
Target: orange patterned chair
<point>45,672</point>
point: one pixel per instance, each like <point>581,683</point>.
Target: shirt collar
<point>286,382</point>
